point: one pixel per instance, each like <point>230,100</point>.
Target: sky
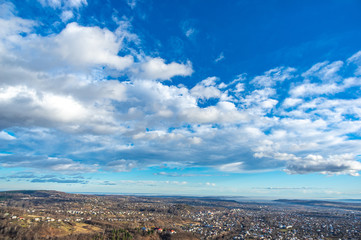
<point>254,98</point>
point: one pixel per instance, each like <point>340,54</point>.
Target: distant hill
<point>21,194</point>
<point>319,203</point>
<point>34,193</point>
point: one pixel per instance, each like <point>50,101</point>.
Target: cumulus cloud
<point>66,15</point>
<point>121,165</point>
<point>12,26</point>
<point>333,164</point>
<point>29,107</point>
<point>62,165</point>
<point>67,85</point>
<point>206,89</point>
<point>291,102</point>
<point>74,48</point>
<point>223,112</point>
<point>156,68</point>
<point>74,42</point>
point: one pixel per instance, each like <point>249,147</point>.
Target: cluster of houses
<point>30,218</point>
<point>158,230</point>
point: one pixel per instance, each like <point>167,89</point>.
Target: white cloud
<point>220,57</point>
<point>66,15</point>
<point>356,59</point>
<point>189,29</point>
<point>231,167</point>
<point>132,3</point>
<point>76,3</point>
<point>121,165</point>
<point>7,10</point>
<point>190,32</point>
<point>151,182</point>
<point>51,3</point>
<point>11,26</point>
<point>223,112</point>
<point>291,102</point>
<point>63,165</point>
<point>206,89</point>
<point>74,48</point>
<point>311,89</point>
<point>69,8</point>
<point>6,136</point>
<point>63,3</point>
<point>324,71</point>
<point>260,101</point>
<point>307,89</point>
<point>239,88</point>
<point>271,77</point>
<point>158,135</point>
<point>331,82</point>
<point>59,83</point>
<point>27,107</point>
<point>156,68</point>
<point>73,45</point>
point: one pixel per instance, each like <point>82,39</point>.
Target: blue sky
<point>242,98</point>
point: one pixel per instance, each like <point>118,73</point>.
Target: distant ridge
<point>34,193</point>
<point>321,203</point>
<point>31,191</point>
<point>54,193</point>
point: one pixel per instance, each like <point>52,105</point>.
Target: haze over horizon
<point>237,98</point>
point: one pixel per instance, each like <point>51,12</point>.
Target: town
<point>58,215</point>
